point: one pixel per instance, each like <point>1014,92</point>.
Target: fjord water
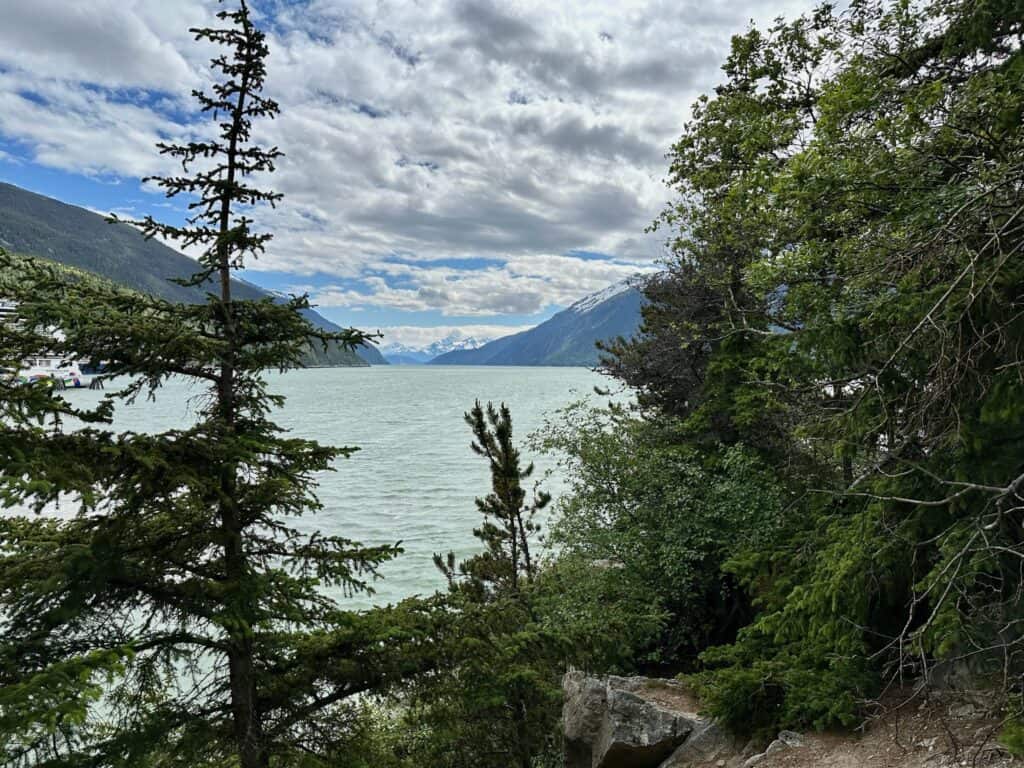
<point>414,478</point>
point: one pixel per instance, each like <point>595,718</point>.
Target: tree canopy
<point>843,296</point>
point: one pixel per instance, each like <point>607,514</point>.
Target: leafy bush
<point>665,516</point>
<point>841,303</point>
<point>756,687</point>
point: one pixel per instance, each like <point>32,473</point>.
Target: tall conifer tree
<point>173,613</point>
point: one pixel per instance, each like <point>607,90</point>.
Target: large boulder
<point>635,722</point>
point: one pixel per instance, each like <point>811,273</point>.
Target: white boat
<point>61,373</point>
<point>64,374</point>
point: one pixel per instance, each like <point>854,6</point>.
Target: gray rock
<point>786,740</point>
<point>963,711</point>
<point>637,732</point>
<point>585,699</point>
<point>627,722</point>
<point>791,738</point>
<point>751,748</point>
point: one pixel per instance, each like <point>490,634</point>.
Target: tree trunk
<point>252,752</point>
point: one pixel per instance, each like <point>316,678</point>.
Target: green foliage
<point>496,697</point>
<point>506,564</point>
<point>89,243</point>
<point>761,684</point>
<point>662,515</point>
<point>606,618</point>
<point>173,613</point>
<point>820,491</point>
<point>514,625</point>
<point>1012,737</point>
<point>842,302</point>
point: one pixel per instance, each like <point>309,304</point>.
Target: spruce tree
<point>173,613</point>
<point>495,698</point>
<point>506,562</point>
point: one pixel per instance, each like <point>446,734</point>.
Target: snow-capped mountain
<point>567,338</point>
<point>587,303</point>
<point>404,354</point>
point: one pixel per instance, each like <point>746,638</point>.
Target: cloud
<point>512,132</point>
<point>524,285</point>
<point>105,42</point>
<point>93,133</point>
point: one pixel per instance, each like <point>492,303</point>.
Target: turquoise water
<point>414,478</point>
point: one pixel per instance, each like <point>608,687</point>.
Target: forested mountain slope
<point>41,226</point>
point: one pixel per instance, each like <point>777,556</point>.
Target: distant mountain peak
<point>454,340</point>
<point>567,338</point>
<point>423,353</point>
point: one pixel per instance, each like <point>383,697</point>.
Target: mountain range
<point>36,225</point>
<point>404,354</point>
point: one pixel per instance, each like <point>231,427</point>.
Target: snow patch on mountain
<point>589,302</point>
<point>569,337</point>
<point>447,344</point>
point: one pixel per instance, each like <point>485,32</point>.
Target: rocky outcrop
<point>638,722</point>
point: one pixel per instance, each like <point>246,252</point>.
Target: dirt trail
<point>936,734</point>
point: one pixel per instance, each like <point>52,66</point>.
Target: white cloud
<point>439,129</point>
<point>114,43</point>
<point>525,285</point>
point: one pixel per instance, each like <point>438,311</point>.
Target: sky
<point>460,165</point>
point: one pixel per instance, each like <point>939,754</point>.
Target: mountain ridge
<point>403,354</point>
<point>37,225</point>
<point>569,337</point>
